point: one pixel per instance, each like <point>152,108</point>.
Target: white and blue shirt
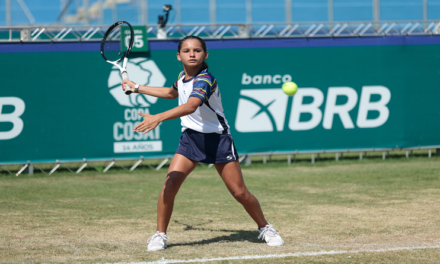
<point>209,116</point>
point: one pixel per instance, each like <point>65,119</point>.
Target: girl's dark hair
<point>202,42</point>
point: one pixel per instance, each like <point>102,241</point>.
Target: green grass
<point>345,205</point>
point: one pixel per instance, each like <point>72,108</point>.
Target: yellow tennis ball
<point>290,88</point>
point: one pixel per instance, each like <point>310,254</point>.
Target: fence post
<point>248,11</point>
<point>114,13</point>
<point>86,12</point>
<point>177,11</point>
<point>248,160</point>
<point>8,13</point>
<point>101,12</point>
<point>288,8</point>
<point>425,10</point>
<point>376,10</point>
<point>30,169</point>
<point>144,12</point>
<point>212,11</point>
<point>330,10</point>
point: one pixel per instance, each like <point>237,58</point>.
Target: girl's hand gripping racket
<point>111,49</point>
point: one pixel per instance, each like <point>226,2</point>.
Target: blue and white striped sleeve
<point>203,87</point>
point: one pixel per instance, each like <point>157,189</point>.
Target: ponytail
<point>205,65</point>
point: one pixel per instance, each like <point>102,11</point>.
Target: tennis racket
<point>112,49</point>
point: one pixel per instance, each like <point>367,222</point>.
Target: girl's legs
<point>179,169</point>
<point>232,177</point>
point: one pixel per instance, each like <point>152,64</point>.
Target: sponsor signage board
<point>140,42</point>
<point>356,97</point>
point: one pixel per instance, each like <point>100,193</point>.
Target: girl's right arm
<point>160,92</point>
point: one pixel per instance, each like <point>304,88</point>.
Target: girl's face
<point>191,53</point>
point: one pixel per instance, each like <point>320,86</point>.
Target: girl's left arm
<point>152,121</point>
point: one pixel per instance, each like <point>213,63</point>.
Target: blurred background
<point>141,12</point>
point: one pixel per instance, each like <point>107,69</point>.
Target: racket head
<point>111,49</point>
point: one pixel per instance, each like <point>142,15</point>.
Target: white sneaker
<point>271,236</point>
<point>157,242</point>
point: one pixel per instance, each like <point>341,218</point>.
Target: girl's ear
<point>178,57</point>
<point>206,55</point>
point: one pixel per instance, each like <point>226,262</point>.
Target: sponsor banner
<point>13,117</point>
<point>70,105</point>
<point>265,110</point>
<point>140,42</point>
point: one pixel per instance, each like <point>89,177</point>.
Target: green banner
<point>70,105</point>
<point>140,43</point>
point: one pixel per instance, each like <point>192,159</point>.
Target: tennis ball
<point>290,88</point>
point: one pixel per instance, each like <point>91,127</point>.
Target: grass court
<point>348,205</point>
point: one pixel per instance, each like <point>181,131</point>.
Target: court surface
<point>365,211</point>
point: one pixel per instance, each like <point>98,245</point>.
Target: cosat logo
<point>145,72</point>
<point>264,110</point>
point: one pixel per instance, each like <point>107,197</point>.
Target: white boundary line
<point>298,254</point>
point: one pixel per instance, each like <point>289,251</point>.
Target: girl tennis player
<point>206,138</point>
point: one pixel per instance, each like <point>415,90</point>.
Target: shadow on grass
<point>234,236</point>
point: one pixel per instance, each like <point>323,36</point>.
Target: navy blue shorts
<point>207,148</point>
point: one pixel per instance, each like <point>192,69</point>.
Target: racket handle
<point>125,78</point>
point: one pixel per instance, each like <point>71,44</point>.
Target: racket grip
<point>125,78</point>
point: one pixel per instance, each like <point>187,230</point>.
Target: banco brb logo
<point>261,110</point>
<point>144,72</point>
<point>264,110</point>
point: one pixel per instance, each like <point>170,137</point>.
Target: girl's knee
<point>171,186</point>
<point>241,195</point>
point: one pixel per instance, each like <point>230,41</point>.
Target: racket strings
<point>112,47</point>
